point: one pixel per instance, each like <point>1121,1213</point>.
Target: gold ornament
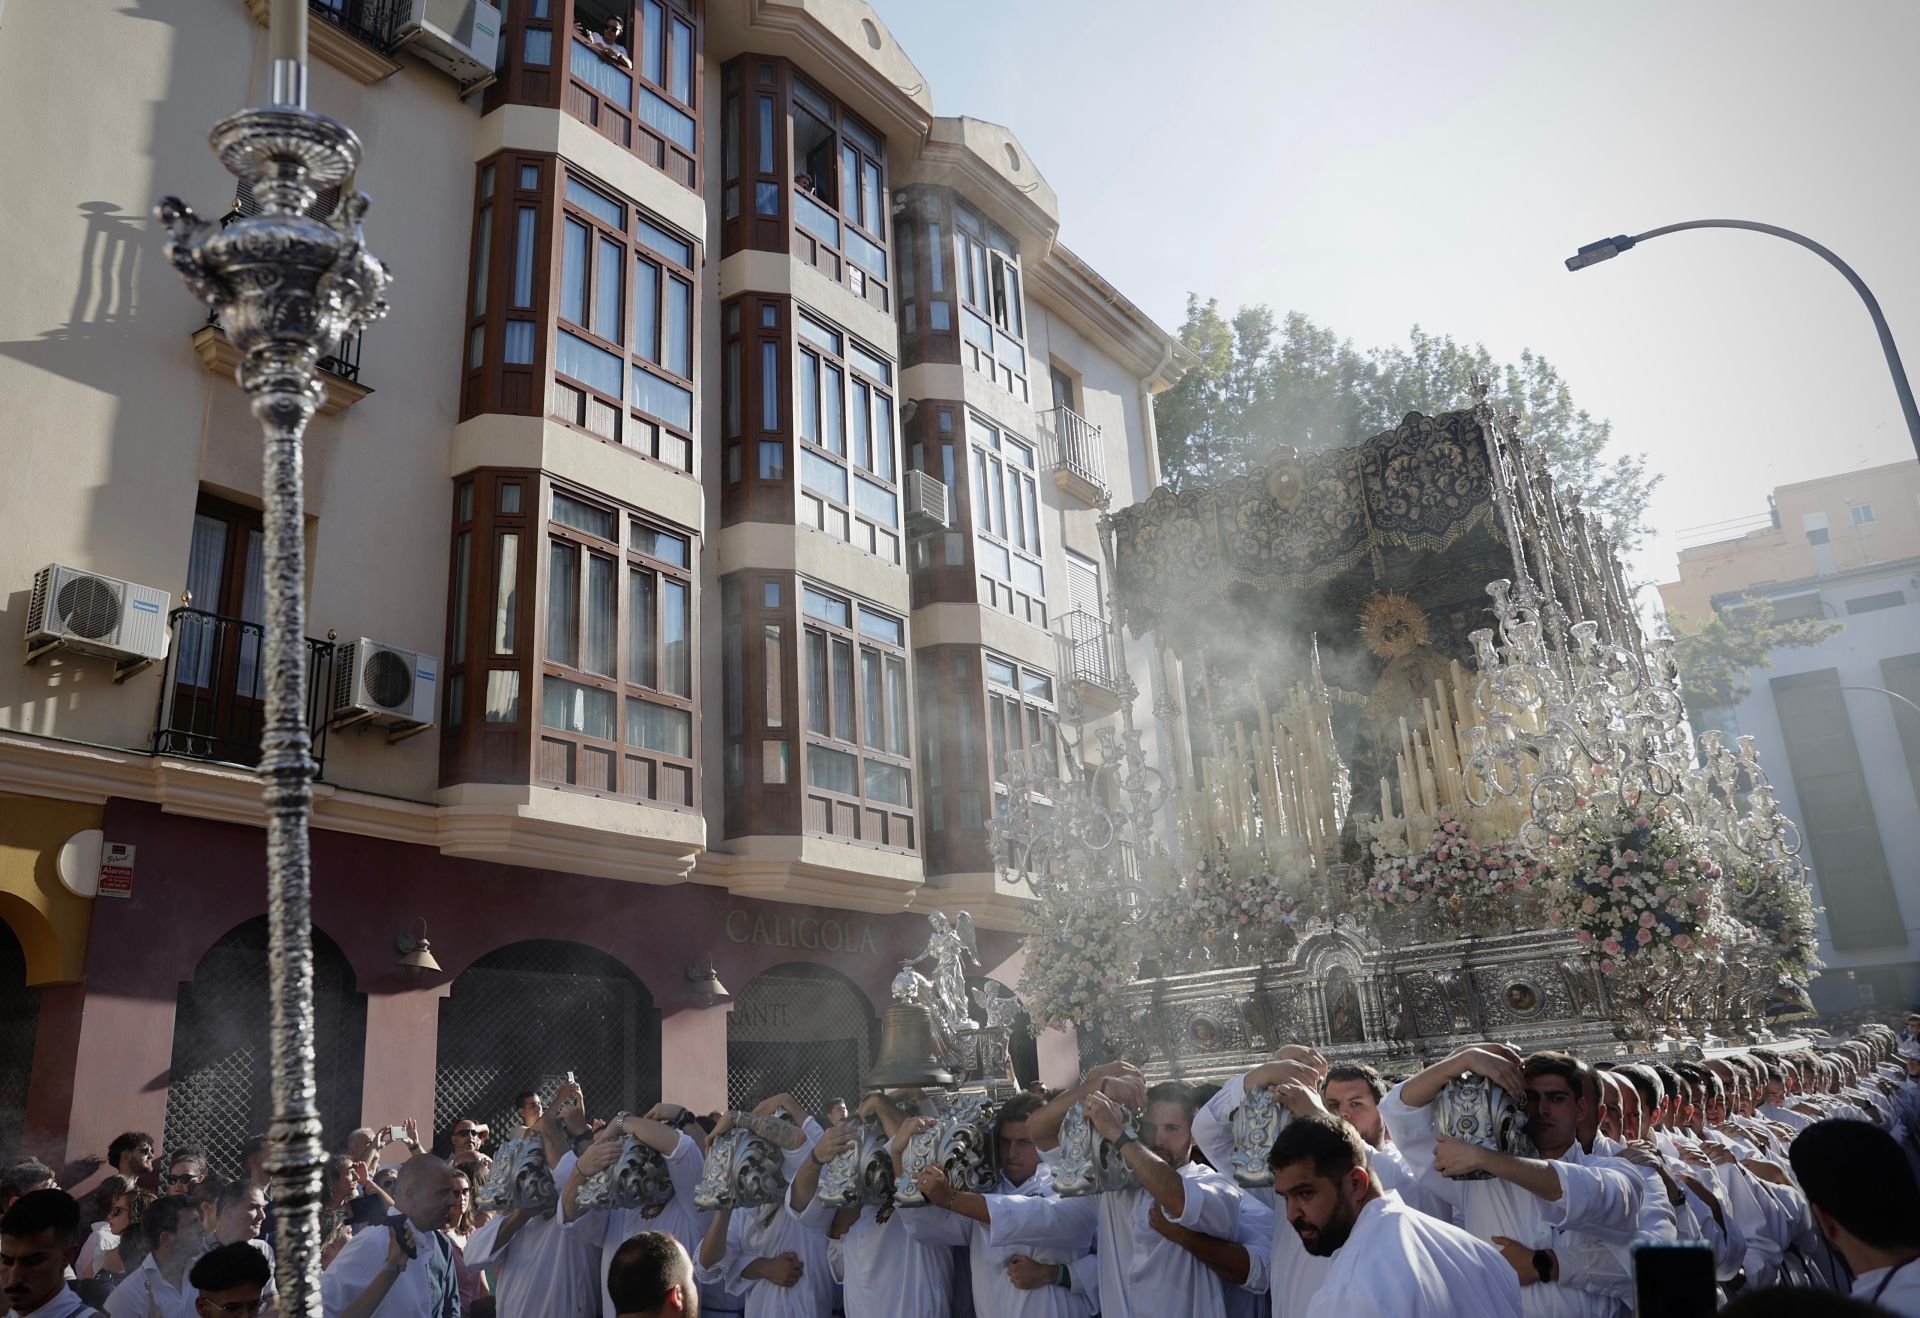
<point>1393,625</point>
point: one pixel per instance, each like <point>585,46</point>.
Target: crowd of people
<point>1788,1175</point>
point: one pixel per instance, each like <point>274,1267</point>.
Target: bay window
<point>854,710</point>
<point>844,422</point>
<point>1021,716</point>
<point>1006,509</point>
<point>993,317</point>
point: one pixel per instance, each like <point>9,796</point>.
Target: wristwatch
<point>1124,1138</point>
<point>1543,1264</point>
<point>1064,1280</point>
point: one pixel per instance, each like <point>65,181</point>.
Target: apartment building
<point>716,509</point>
<point>1836,723</point>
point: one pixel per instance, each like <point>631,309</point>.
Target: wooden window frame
<point>854,816</point>
<point>474,748</point>
<point>759,706</point>
<point>942,560</point>
<point>757,461</point>
<point>989,469</point>
<point>988,284</point>
<point>842,518</point>
<point>1038,715</point>
<point>494,384</point>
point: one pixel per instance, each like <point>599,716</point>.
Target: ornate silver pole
<point>286,286</point>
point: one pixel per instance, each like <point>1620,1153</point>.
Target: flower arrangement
<point>1638,889</point>
<point>1077,962</point>
<point>1228,908</point>
<point>1453,870</point>
<point>1772,898</point>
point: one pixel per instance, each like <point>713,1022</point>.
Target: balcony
<point>1086,659</point>
<point>213,691</point>
<point>351,35</point>
<point>1075,455</point>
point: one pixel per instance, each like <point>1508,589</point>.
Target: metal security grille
<point>19,1026</point>
<point>220,1089</point>
<point>522,1017</point>
<point>803,1029</point>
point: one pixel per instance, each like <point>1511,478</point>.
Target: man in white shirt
<point>664,1130</point>
<point>402,1268</point>
<point>239,1215</point>
<point>1143,1273</point>
<point>1000,1281</point>
<point>541,1269</point>
<point>1388,1259</point>
<point>651,1276</point>
<point>228,1278</point>
<point>36,1250</point>
<point>1352,1091</point>
<point>1528,1207</point>
<point>1865,1203</point>
<point>159,1287</point>
<point>764,1254</point>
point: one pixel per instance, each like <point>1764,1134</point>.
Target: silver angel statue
<point>952,948</point>
<point>743,1171</point>
<point>1256,1125</point>
<point>1474,1110</point>
<point>1089,1164</point>
<point>519,1178</point>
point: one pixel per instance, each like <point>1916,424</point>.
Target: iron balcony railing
<point>213,690</point>
<point>1086,649</point>
<point>344,358</point>
<point>1073,445</point>
<point>367,21</point>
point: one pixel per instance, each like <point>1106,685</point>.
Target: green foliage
<point>1717,658</point>
<point>1262,382</point>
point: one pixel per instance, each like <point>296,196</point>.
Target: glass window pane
<point>588,363</point>
<point>676,652</point>
<point>653,40</point>
<point>818,334</point>
<point>678,356</point>
<point>832,413</point>
<point>462,570</point>
<point>659,728</point>
<point>873,708</point>
<point>872,214</point>
<point>573,272</point>
<point>539,45</point>
<point>816,676</point>
<point>662,398</point>
<point>733,676</point>
<point>850,182</point>
<point>663,545</point>
<point>860,135</point>
<point>876,502</point>
<point>482,258</point>
<point>486,182</point>
<point>601,576</point>
<point>936,259</point>
<point>641,653</point>
<point>506,597</point>
<point>1028,575</point>
<point>766,135</point>
<point>766,199</point>
<point>730,139</point>
<point>809,423</point>
<point>670,245</point>
<point>526,226</point>
<point>896,705</point>
<point>519,343</point>
<point>773,664</point>
<point>999,672</point>
<point>860,413</point>
<point>888,784</point>
<point>863,360</point>
<point>583,516</point>
<point>463,506</point>
<point>883,436</point>
<point>734,387</point>
<point>1038,685</point>
<point>823,476</point>
<point>833,771</point>
<point>773,460</point>
<point>681,83</point>
<point>476,347</point>
<point>881,627</point>
<point>510,498</point>
<point>842,688</point>
<point>646,309</point>
<point>774,767</point>
<point>866,253</point>
<point>661,115</point>
<point>999,502</point>
<point>529,178</point>
<point>571,707</point>
<point>597,204</point>
<point>827,608</point>
<point>563,604</point>
<point>503,695</point>
<point>770,387</point>
<point>816,219</point>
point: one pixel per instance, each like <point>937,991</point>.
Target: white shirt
<point>887,1271</point>
<point>1401,1261</point>
<point>757,1233</point>
<point>994,1296</point>
<point>1902,1295</point>
<point>65,1304</point>
<point>147,1294</point>
<point>1600,1200</point>
<point>100,1240</point>
<point>358,1265</point>
<point>608,1229</point>
<point>545,1271</point>
<point>1142,1273</point>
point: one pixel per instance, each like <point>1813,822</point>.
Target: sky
<point>1378,165</point>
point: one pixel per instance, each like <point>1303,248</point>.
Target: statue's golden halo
<point>1393,625</point>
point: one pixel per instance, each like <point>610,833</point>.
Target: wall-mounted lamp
<point>416,953</point>
<point>707,990</point>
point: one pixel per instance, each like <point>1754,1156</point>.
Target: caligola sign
<point>804,931</point>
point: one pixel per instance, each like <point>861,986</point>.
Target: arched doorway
<point>523,1016</point>
<point>220,1091</point>
<point>803,1028</point>
<point>19,1027</point>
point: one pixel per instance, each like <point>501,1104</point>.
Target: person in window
<point>610,42</point>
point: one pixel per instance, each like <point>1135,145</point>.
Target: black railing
<point>213,690</point>
<point>1086,648</point>
<point>368,21</point>
<point>344,359</point>
<point>1074,445</point>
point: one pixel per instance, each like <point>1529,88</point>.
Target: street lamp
<point>1608,248</point>
<point>285,285</point>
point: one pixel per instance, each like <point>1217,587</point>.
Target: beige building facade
<point>714,511</point>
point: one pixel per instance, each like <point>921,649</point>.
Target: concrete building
<point>716,506</point>
<point>1843,753</point>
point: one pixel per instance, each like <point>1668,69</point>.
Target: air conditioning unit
<point>461,38</point>
<point>91,614</point>
<point>374,683</point>
<point>926,503</point>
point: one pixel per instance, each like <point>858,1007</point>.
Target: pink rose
<point>1646,919</point>
<point>1589,906</point>
<point>1584,937</point>
<point>1611,947</point>
<point>1644,937</point>
<point>1609,967</point>
<point>1556,917</point>
<point>1670,866</point>
<point>1619,882</point>
<point>1641,821</point>
<point>1682,942</point>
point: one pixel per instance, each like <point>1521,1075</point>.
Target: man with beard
<point>1388,1259</point>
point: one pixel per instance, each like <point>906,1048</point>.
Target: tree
<point>1262,382</point>
<point>1717,658</point>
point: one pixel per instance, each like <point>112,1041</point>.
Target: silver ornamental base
<point>286,286</point>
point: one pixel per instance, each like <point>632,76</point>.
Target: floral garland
<point>1227,909</point>
<point>1637,889</point>
<point>1771,897</point>
<point>1077,962</point>
<point>1453,870</point>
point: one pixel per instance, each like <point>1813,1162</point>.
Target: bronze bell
<point>907,1058</point>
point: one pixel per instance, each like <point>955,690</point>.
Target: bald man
<point>401,1267</point>
<point>652,1277</point>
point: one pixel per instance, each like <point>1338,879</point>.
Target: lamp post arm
<point>1901,386</point>
<point>1891,695</point>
